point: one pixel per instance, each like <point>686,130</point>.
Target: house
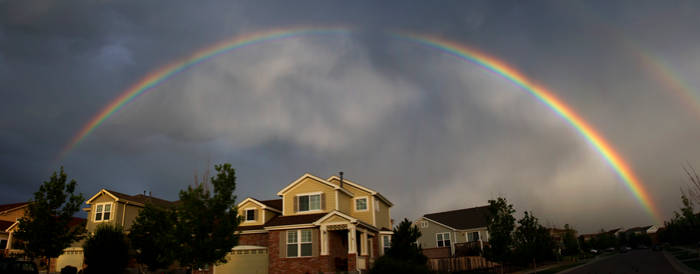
<point>111,207</point>
<point>9,214</point>
<point>443,233</point>
<point>317,225</point>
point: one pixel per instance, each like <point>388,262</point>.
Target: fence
<point>465,263</point>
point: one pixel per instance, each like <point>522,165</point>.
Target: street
<point>635,261</point>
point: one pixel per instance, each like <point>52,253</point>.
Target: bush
<point>107,251</point>
<point>69,270</point>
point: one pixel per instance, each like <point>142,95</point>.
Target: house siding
<point>428,238</point>
<point>13,215</point>
<point>258,213</point>
<point>103,198</point>
<point>383,217</point>
<point>309,185</point>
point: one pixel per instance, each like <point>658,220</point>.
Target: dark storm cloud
<point>429,131</point>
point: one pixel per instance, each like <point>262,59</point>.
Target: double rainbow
<point>461,51</point>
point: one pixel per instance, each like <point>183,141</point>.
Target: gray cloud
<point>426,129</point>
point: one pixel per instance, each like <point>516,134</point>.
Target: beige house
<point>443,233</point>
<point>326,225</point>
<point>114,208</point>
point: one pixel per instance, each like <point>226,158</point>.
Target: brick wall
<point>259,239</point>
<point>293,265</point>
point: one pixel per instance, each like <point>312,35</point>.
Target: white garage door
<point>245,259</point>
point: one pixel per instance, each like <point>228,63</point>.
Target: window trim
<point>437,244</point>
<point>246,214</point>
<point>299,242</point>
<point>320,206</point>
<point>424,224</point>
<point>102,216</point>
<point>386,244</point>
<point>361,198</point>
<point>477,232</point>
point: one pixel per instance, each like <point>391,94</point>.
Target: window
<point>443,239</point>
<point>299,242</point>
<point>103,212</point>
<point>423,224</point>
<point>386,242</point>
<point>309,202</point>
<point>250,215</point>
<point>473,236</point>
<point>361,204</point>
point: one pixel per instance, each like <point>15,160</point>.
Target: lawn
<point>695,264</point>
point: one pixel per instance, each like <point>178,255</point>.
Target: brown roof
<point>250,227</point>
<point>462,218</point>
<point>5,225</point>
<point>295,219</point>
<point>385,229</point>
<point>276,204</point>
<point>6,207</point>
<point>75,221</point>
<point>140,198</point>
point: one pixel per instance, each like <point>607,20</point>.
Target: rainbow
<point>664,74</point>
<point>463,52</point>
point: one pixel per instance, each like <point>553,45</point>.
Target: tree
<point>152,236</point>
<point>500,225</point>
<point>692,192</point>
<point>404,255</point>
<point>44,230</point>
<point>106,251</point>
<point>571,246</point>
<point>205,223</point>
<point>532,240</point>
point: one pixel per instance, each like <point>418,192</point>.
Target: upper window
<point>103,212</point>
<point>473,236</point>
<point>250,215</point>
<point>423,224</point>
<point>361,204</point>
<point>299,243</point>
<point>443,239</point>
<point>309,202</point>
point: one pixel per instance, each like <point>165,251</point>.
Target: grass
<point>686,255</point>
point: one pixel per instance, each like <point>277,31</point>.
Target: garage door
<point>245,259</point>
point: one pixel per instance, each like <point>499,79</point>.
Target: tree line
<point>198,231</point>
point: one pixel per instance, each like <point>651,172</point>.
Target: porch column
<point>352,245</point>
<point>9,241</point>
<point>324,240</point>
<point>363,242</point>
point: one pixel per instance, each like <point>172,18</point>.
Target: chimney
<point>341,179</point>
<point>149,194</point>
<point>144,193</point>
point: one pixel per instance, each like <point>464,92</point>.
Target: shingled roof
<point>462,218</point>
<point>295,219</point>
<point>6,207</point>
<point>143,199</point>
<point>276,204</point>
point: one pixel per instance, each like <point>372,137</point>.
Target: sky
<point>429,131</point>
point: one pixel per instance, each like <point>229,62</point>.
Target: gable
<point>335,219</point>
<point>248,205</point>
<point>102,197</point>
<point>307,179</point>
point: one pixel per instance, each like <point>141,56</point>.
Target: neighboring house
<point>318,225</point>
<point>9,214</point>
<point>111,207</point>
<point>441,232</point>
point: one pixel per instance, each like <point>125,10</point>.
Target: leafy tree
<point>532,240</point>
<point>152,235</point>
<point>107,251</point>
<point>571,246</point>
<point>44,230</point>
<point>500,225</point>
<point>206,224</point>
<point>404,255</point>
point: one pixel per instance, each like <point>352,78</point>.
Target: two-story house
<point>442,232</point>
<point>114,208</point>
<point>318,224</point>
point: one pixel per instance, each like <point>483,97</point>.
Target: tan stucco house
<point>114,208</point>
<point>442,231</point>
<point>325,225</point>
